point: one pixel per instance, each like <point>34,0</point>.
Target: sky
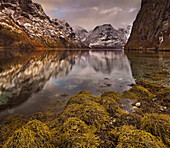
<point>91,13</point>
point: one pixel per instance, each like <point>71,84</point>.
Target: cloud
<point>90,13</point>
<point>112,11</point>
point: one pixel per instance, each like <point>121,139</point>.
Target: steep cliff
<point>151,29</point>
<point>45,32</point>
<point>11,35</point>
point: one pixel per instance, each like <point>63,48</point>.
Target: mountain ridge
<point>31,18</point>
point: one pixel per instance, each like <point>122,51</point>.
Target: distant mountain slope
<point>80,32</point>
<point>151,29</point>
<point>38,26</point>
<point>106,36</point>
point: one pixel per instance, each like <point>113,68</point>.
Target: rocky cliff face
<point>11,35</point>
<point>151,29</point>
<point>43,31</point>
<point>106,36</point>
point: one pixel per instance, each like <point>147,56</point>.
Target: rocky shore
<point>90,121</point>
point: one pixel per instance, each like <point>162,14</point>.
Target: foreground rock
<point>90,121</point>
<point>151,28</point>
<point>43,31</point>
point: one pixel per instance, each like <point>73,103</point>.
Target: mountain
<point>151,29</point>
<point>11,35</point>
<point>105,36</point>
<point>41,30</point>
<point>80,32</point>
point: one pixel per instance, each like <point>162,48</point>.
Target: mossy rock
<point>158,125</point>
<point>113,94</point>
<point>128,119</point>
<point>152,87</point>
<point>33,134</point>
<point>111,106</point>
<point>137,92</point>
<point>130,137</point>
<point>163,93</point>
<point>130,95</point>
<point>91,113</point>
<point>74,133</point>
<point>82,98</point>
<point>157,75</point>
<point>9,126</point>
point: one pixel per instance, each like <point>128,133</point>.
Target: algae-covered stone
<point>164,93</point>
<point>91,113</point>
<point>82,97</point>
<point>33,134</point>
<point>74,133</point>
<point>111,106</point>
<point>138,92</point>
<point>152,87</point>
<point>158,125</point>
<point>128,119</point>
<point>130,95</point>
<point>113,94</point>
<point>9,126</point>
<point>130,137</point>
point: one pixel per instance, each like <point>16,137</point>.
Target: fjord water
<point>31,81</point>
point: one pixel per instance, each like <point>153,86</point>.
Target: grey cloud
<point>90,13</point>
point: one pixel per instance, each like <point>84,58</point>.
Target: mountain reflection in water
<point>32,79</point>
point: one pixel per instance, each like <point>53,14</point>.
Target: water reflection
<point>30,80</point>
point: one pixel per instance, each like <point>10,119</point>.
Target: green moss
<point>33,134</point>
<point>130,137</point>
<point>137,92</point>
<point>115,95</point>
<point>82,98</point>
<point>111,106</point>
<point>74,133</point>
<point>91,113</point>
<point>158,125</point>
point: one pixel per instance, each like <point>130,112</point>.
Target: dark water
<point>31,80</point>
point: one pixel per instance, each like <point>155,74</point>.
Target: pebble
<point>163,108</point>
<point>154,99</point>
<point>138,104</point>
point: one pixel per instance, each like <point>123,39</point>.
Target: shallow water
<point>31,80</point>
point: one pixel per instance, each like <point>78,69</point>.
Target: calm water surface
<point>31,80</point>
